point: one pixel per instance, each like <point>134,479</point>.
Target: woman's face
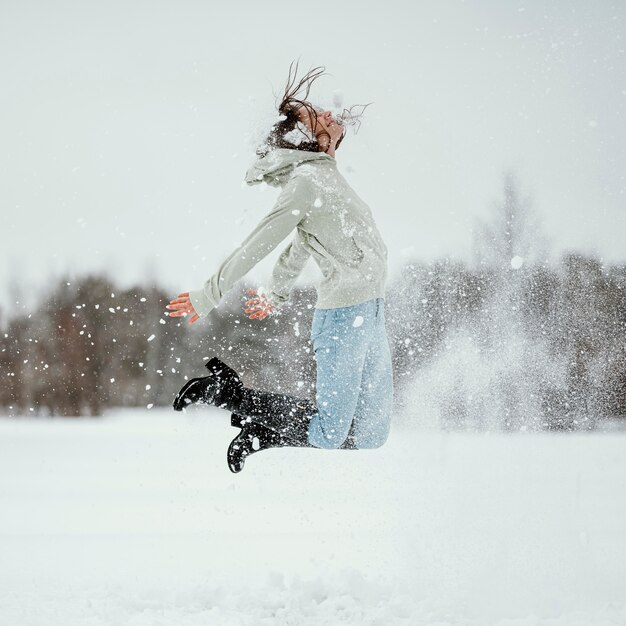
<point>326,123</point>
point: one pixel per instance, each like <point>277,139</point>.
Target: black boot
<point>254,437</point>
<point>287,415</point>
<point>251,438</point>
<point>222,383</point>
<point>274,420</point>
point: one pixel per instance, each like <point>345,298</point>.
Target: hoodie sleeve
<point>288,267</point>
<point>268,233</point>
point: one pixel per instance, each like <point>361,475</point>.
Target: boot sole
<point>235,468</point>
<point>180,396</point>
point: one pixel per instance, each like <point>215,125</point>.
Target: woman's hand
<point>259,306</point>
<point>183,306</point>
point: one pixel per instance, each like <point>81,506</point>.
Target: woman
<point>333,225</point>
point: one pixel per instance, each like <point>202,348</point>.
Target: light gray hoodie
<point>332,224</point>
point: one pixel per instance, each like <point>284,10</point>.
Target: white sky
<point>125,126</point>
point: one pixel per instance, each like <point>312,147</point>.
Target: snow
<point>135,519</point>
<point>517,262</point>
<point>298,134</point>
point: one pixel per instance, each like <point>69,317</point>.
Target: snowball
<point>358,320</point>
<point>516,262</point>
<point>298,134</point>
<point>317,203</point>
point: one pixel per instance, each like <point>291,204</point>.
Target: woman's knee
<point>329,436</point>
<point>372,442</point>
<point>373,437</point>
<point>331,443</point>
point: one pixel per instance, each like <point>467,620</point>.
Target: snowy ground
<point>134,519</point>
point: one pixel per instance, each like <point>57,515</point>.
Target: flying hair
<point>289,131</point>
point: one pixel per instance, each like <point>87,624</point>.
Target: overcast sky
<point>126,127</point>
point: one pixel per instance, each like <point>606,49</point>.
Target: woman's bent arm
<point>268,233</point>
<point>288,267</point>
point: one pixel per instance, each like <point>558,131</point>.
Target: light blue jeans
<point>354,376</point>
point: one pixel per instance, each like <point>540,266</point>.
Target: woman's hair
<point>289,131</point>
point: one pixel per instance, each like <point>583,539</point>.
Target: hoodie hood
<point>276,167</point>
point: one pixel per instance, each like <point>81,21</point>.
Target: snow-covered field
<point>134,519</point>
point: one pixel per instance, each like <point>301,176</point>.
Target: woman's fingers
<point>183,306</point>
<point>258,307</point>
<point>260,314</point>
<point>179,308</point>
<point>255,302</point>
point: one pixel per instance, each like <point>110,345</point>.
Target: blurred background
<point>493,157</point>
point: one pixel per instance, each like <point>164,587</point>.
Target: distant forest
<point>545,343</point>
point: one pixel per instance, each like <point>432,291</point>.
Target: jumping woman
<point>335,226</point>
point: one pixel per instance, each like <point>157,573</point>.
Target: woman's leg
<point>372,418</point>
<point>340,339</point>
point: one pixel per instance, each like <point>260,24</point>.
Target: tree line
<point>550,337</point>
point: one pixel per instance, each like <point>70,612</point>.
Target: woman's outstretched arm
<point>269,232</point>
